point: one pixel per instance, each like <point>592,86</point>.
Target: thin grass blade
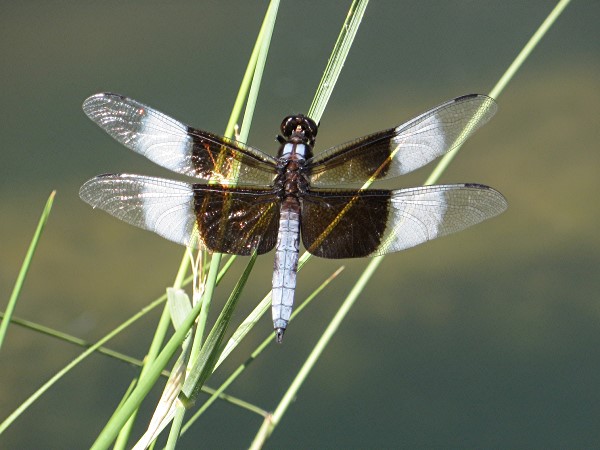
<point>268,341</point>
<point>337,59</point>
<point>250,88</point>
<point>47,385</point>
<point>120,417</point>
<point>269,425</point>
<point>180,307</point>
<point>210,351</point>
<point>505,79</point>
<point>14,296</point>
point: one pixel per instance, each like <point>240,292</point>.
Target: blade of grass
<point>244,90</point>
<point>322,95</point>
<point>263,43</point>
<point>505,79</point>
<point>209,353</point>
<point>14,296</point>
<point>157,341</point>
<point>337,59</point>
<point>250,90</point>
<point>74,340</point>
<point>203,367</point>
<point>38,393</point>
<point>153,371</point>
<point>216,258</point>
<point>270,423</point>
<point>268,341</point>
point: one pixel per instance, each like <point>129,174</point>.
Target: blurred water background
<point>486,339</point>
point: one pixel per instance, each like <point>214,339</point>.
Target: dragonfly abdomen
<point>286,263</point>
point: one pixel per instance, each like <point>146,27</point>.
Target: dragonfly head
<point>299,127</point>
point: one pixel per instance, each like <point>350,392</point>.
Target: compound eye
<point>311,126</point>
<point>288,126</point>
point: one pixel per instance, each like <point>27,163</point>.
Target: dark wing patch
<point>402,149</point>
<point>349,224</point>
<point>236,220</point>
<point>344,223</point>
<point>217,219</point>
<point>177,147</point>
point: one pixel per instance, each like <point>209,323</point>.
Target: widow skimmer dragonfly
<point>256,202</point>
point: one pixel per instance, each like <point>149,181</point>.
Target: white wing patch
<point>163,140</point>
<point>163,206</point>
<point>419,145</point>
<point>168,210</point>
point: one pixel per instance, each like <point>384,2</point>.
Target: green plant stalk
<point>196,345</point>
<point>175,428</point>
<point>226,267</point>
<point>268,341</point>
<point>529,47</point>
<point>121,415</point>
<point>211,282</point>
<point>337,59</point>
<point>121,441</point>
<point>249,89</point>
<point>210,351</point>
<point>75,340</point>
<point>264,41</point>
<point>128,391</point>
<point>153,351</point>
<point>505,79</point>
<point>14,296</point>
<point>270,424</point>
<point>124,358</point>
<point>38,393</point>
<point>254,72</point>
<point>246,81</point>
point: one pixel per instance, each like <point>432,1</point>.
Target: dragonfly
<point>254,202</point>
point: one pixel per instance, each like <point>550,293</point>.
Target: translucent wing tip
<point>94,103</point>
<point>494,200</point>
<point>86,192</point>
<point>90,191</point>
<point>100,96</point>
<point>487,106</point>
